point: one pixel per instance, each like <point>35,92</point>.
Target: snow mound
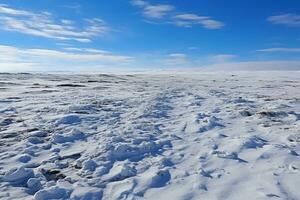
<point>70,136</point>
<point>160,179</point>
<point>120,172</point>
<point>254,142</point>
<point>89,165</point>
<point>54,192</point>
<point>24,158</point>
<point>69,119</point>
<point>34,185</point>
<point>18,175</point>
<point>86,193</point>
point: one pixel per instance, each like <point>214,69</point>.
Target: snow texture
<point>150,136</point>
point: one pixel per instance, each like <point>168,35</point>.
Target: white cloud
<point>280,49</point>
<point>191,17</point>
<point>275,65</point>
<point>16,66</point>
<point>67,22</point>
<point>89,50</point>
<point>223,58</point>
<point>289,19</point>
<point>188,20</point>
<point>4,9</point>
<point>8,53</point>
<point>184,60</point>
<point>177,55</point>
<point>139,3</point>
<point>167,12</point>
<point>226,62</point>
<point>10,60</point>
<point>73,56</point>
<point>157,11</point>
<point>74,6</point>
<point>211,24</point>
<point>42,24</point>
<point>175,60</point>
<point>44,59</point>
<point>153,11</point>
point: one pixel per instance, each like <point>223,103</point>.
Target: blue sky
<point>92,35</point>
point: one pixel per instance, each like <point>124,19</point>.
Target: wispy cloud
<point>4,9</point>
<point>153,11</point>
<point>175,59</point>
<point>188,20</point>
<point>140,3</point>
<point>278,65</point>
<point>189,60</point>
<point>291,20</point>
<point>223,58</point>
<point>74,6</point>
<point>77,8</point>
<point>157,11</point>
<point>219,62</point>
<point>82,56</point>
<point>167,13</point>
<point>280,49</point>
<point>42,24</point>
<point>86,59</point>
<point>69,57</point>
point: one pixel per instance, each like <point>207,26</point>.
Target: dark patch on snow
<point>70,85</point>
<point>272,114</point>
<point>246,113</point>
<point>52,174</point>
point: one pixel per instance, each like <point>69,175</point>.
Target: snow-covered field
<point>150,136</point>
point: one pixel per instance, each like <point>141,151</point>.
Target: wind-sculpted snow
<point>150,136</point>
